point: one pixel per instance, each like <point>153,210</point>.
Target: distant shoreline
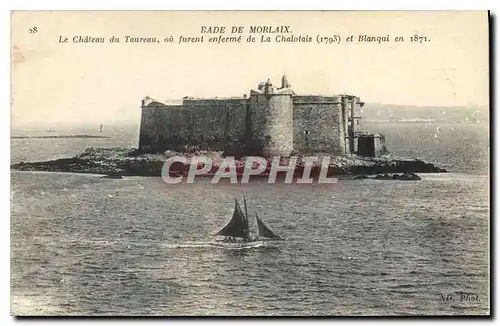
<point>61,136</point>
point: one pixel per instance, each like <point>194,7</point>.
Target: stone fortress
<point>271,121</point>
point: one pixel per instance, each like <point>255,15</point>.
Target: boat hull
<point>239,245</point>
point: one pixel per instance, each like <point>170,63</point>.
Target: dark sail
<point>238,226</point>
<point>265,231</point>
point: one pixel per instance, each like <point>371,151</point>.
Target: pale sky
<point>73,82</point>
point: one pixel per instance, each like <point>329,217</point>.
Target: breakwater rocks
<point>130,162</point>
<point>405,176</point>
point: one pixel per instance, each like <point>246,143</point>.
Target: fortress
<point>271,121</point>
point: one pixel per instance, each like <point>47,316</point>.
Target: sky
<point>75,82</point>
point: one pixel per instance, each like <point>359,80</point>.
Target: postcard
<point>250,163</point>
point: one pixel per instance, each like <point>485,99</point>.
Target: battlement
<point>213,101</point>
<point>304,99</point>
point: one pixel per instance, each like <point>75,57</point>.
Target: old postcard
<point>250,163</point>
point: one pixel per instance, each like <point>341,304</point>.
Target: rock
<point>112,176</point>
<point>404,176</point>
<point>131,162</point>
<point>360,177</point>
<point>409,176</point>
<point>169,153</point>
<point>383,177</point>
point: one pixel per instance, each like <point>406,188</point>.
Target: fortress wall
<point>167,118</point>
<point>147,127</point>
<point>304,99</point>
<point>358,113</point>
<point>224,119</point>
<point>318,124</point>
<point>150,133</point>
<point>195,125</point>
<point>213,102</point>
<point>237,125</point>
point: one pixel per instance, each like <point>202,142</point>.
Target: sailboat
<point>236,234</point>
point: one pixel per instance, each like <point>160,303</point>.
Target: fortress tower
<point>271,119</point>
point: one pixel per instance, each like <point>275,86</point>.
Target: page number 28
<point>33,30</point>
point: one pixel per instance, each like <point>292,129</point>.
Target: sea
<point>83,245</point>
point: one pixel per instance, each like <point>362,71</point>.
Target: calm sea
<point>81,245</point>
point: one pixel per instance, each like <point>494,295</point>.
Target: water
<point>81,245</point>
<point>455,147</point>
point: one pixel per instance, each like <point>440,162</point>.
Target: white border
<point>253,5</point>
<point>8,5</point>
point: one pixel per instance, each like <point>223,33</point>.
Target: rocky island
<point>118,161</point>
